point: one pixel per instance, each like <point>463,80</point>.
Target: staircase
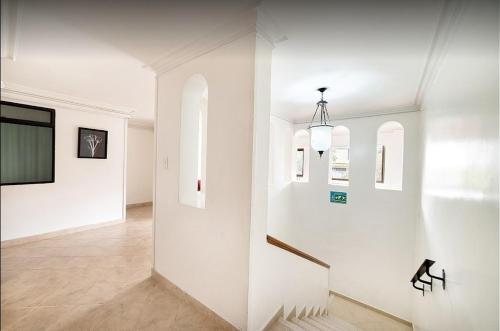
<point>314,320</point>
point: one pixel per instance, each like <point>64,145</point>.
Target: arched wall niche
<point>339,155</point>
<point>389,157</point>
<point>193,142</point>
<point>300,161</point>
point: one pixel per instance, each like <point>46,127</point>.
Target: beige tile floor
<point>92,280</point>
<point>363,318</point>
<point>100,280</point>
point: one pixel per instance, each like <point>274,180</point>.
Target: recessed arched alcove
<point>193,142</point>
<point>338,170</point>
<point>389,157</point>
<point>300,166</point>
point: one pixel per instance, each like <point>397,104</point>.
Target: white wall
<point>277,278</point>
<point>458,224</point>
<point>140,145</point>
<point>280,174</point>
<point>370,241</point>
<point>284,279</point>
<point>53,55</point>
<point>85,191</point>
<point>206,251</point>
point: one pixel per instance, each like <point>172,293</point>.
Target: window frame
<point>332,165</point>
<point>298,151</point>
<point>345,134</point>
<point>51,125</point>
<point>382,166</point>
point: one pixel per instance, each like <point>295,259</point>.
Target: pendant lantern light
<point>321,133</point>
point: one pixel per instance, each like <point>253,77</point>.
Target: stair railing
<point>275,242</point>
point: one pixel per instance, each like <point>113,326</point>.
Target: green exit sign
<point>338,197</point>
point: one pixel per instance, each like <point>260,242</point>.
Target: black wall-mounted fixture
<point>418,288</point>
<point>424,269</point>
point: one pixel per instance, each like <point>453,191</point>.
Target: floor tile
<point>97,279</point>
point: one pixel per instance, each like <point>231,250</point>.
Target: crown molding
<point>10,15</point>
<point>20,93</point>
<point>447,25</point>
<point>402,109</point>
<point>141,123</point>
<point>222,35</point>
<point>253,20</point>
<point>267,27</point>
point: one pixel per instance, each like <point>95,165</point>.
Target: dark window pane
<point>27,114</point>
<point>26,153</point>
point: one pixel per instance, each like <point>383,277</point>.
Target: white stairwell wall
<point>369,242</point>
<point>288,280</point>
<point>219,255</point>
<point>277,278</point>
<point>458,224</point>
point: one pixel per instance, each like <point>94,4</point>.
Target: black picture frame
<point>51,124</point>
<point>103,151</point>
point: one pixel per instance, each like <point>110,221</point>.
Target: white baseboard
<point>48,235</point>
<point>140,204</point>
<point>167,284</point>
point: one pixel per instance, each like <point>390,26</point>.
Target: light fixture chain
<point>327,115</point>
<point>312,121</point>
<point>322,113</point>
<point>321,105</point>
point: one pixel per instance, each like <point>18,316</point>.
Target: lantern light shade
<point>321,134</point>
<point>321,138</point>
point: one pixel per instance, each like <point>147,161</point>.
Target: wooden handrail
<point>275,242</point>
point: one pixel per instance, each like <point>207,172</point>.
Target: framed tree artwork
<point>92,143</point>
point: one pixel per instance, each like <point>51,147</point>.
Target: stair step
<point>318,325</point>
<point>320,320</point>
<point>338,323</point>
<point>278,327</point>
<point>313,322</point>
<point>289,325</point>
<point>303,324</point>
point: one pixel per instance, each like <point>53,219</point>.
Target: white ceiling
<point>371,55</point>
<point>99,49</point>
<point>143,29</point>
